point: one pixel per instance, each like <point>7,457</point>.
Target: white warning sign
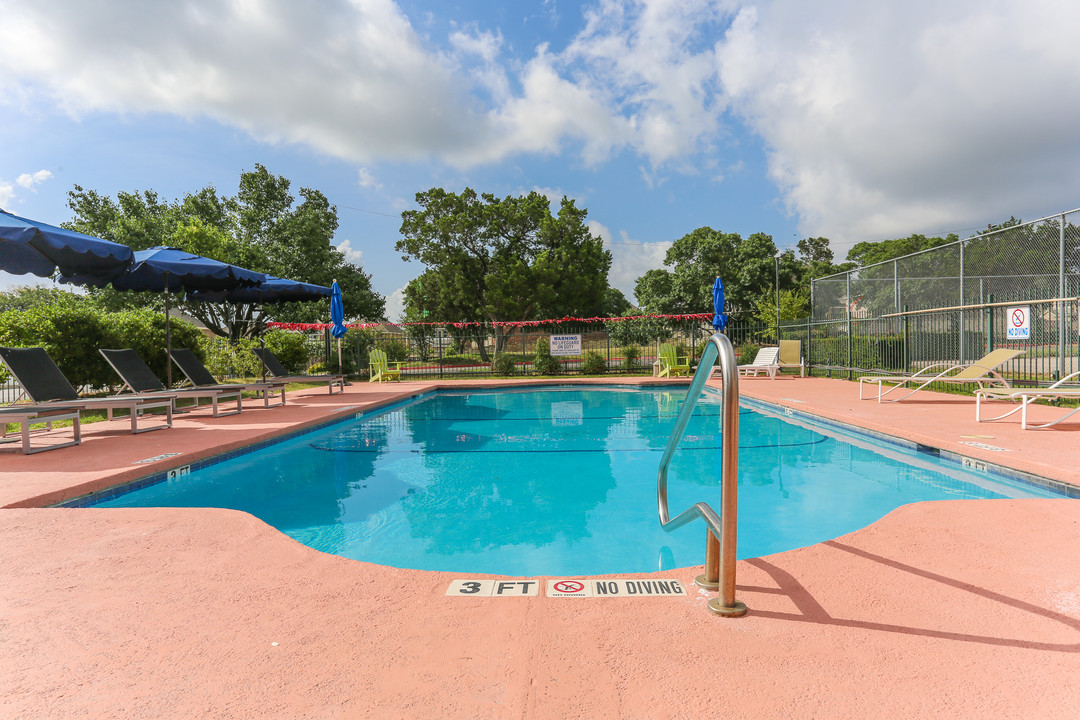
<point>615,588</point>
<point>565,345</point>
<point>1018,322</point>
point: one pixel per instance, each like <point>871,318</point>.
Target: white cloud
<point>366,180</point>
<point>352,79</point>
<point>395,305</point>
<point>29,180</point>
<point>7,193</point>
<point>356,257</point>
<point>879,118</point>
<point>629,259</point>
<point>884,119</point>
<point>26,181</point>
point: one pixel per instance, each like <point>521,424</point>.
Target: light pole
<point>777,264</point>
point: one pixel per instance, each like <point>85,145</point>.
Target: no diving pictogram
<point>1019,323</point>
<point>569,586</point>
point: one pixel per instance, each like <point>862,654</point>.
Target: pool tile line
<point>343,414</point>
<point>964,461</point>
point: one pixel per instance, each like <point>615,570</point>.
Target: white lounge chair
<point>766,361</point>
<point>982,372</point>
<point>1027,396</point>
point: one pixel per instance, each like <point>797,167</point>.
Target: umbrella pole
<point>168,339</point>
<point>340,369</point>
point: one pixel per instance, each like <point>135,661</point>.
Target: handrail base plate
<point>717,608</point>
<point>705,583</point>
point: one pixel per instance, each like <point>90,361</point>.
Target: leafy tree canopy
<point>747,267</point>
<point>869,253</point>
<point>260,229</point>
<point>508,259</point>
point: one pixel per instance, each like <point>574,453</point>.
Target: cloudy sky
<point>849,119</point>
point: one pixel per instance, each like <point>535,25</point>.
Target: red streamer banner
<point>702,317</point>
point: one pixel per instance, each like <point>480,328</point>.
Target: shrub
<point>288,347</point>
<point>72,334</point>
<point>226,359</point>
<point>504,364</point>
<point>396,350</point>
<point>458,360</point>
<point>593,363</point>
<point>630,354</point>
<point>544,363</point>
<point>745,353</point>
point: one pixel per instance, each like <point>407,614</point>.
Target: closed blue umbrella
<point>171,269</point>
<point>719,321</point>
<point>337,318</point>
<point>28,246</point>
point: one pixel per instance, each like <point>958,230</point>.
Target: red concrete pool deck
<point>958,609</point>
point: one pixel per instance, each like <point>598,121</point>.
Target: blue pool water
<point>560,481</point>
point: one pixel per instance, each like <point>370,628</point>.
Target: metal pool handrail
<point>720,539</point>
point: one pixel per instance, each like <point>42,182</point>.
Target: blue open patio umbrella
<point>719,321</point>
<point>29,246</point>
<point>169,269</point>
<point>272,290</point>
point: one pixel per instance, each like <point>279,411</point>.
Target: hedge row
<point>72,335</point>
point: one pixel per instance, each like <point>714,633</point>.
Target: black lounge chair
<point>197,374</point>
<point>43,382</point>
<point>27,415</point>
<point>279,373</point>
<point>141,380</point>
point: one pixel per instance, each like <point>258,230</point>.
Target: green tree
<point>509,259</point>
<point>869,253</point>
<point>261,229</point>
<point>747,267</point>
<point>616,304</point>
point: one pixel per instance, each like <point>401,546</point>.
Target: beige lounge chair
<point>767,361</point>
<point>1026,396</point>
<point>791,356</point>
<point>982,372</point>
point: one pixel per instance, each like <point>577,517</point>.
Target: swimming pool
<point>561,481</point>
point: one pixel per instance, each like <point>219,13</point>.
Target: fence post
<point>809,358</point>
<point>989,324</point>
<point>1061,300</point>
<point>907,363</point>
<point>963,343</point>
<point>847,299</point>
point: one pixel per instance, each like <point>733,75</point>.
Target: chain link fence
<point>955,303</point>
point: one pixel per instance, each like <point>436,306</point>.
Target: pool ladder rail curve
<point>721,534</point>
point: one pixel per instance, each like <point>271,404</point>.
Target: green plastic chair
<point>669,362</point>
<point>380,367</point>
